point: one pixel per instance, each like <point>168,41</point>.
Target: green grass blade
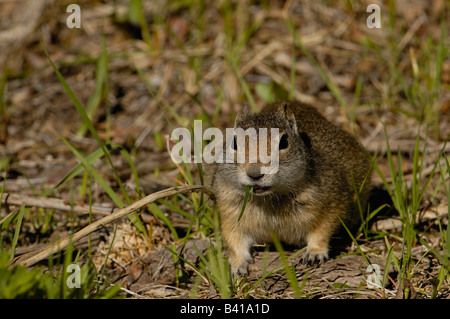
<point>447,192</point>
<point>107,255</point>
<point>137,17</point>
<point>160,215</point>
<point>76,103</point>
<point>216,269</point>
<point>3,81</point>
<point>16,233</point>
<point>278,267</point>
<point>88,123</point>
<point>151,90</point>
<point>78,169</point>
<point>247,191</point>
<point>390,256</point>
<point>354,241</point>
<point>127,156</point>
<point>85,119</point>
<point>324,74</point>
<point>100,91</point>
<point>115,198</point>
<point>290,270</point>
<point>176,209</point>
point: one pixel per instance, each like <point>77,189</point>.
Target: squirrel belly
<point>305,200</point>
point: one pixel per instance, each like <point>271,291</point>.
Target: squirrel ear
<point>241,114</point>
<point>290,118</point>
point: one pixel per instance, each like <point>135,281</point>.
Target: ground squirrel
<point>319,167</point>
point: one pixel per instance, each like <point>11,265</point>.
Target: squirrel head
<point>273,134</point>
<point>282,117</point>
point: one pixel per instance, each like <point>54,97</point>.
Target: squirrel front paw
<point>239,270</point>
<point>239,254</point>
<point>239,266</point>
<point>317,248</point>
<point>314,257</point>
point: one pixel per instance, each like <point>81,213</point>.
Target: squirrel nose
<point>254,173</point>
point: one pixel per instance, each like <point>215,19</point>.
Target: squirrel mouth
<point>259,190</point>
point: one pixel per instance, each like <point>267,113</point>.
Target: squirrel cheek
<point>242,176</point>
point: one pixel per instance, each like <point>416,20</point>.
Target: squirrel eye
<point>283,142</point>
<point>234,144</point>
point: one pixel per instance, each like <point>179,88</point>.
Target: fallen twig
<point>35,257</point>
<point>431,213</point>
<point>53,203</point>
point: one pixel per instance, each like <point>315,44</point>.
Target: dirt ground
<point>181,64</point>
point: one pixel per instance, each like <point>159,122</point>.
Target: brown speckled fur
<point>312,189</point>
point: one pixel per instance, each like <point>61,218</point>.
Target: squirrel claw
<point>240,270</point>
<point>311,259</point>
<point>238,273</point>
